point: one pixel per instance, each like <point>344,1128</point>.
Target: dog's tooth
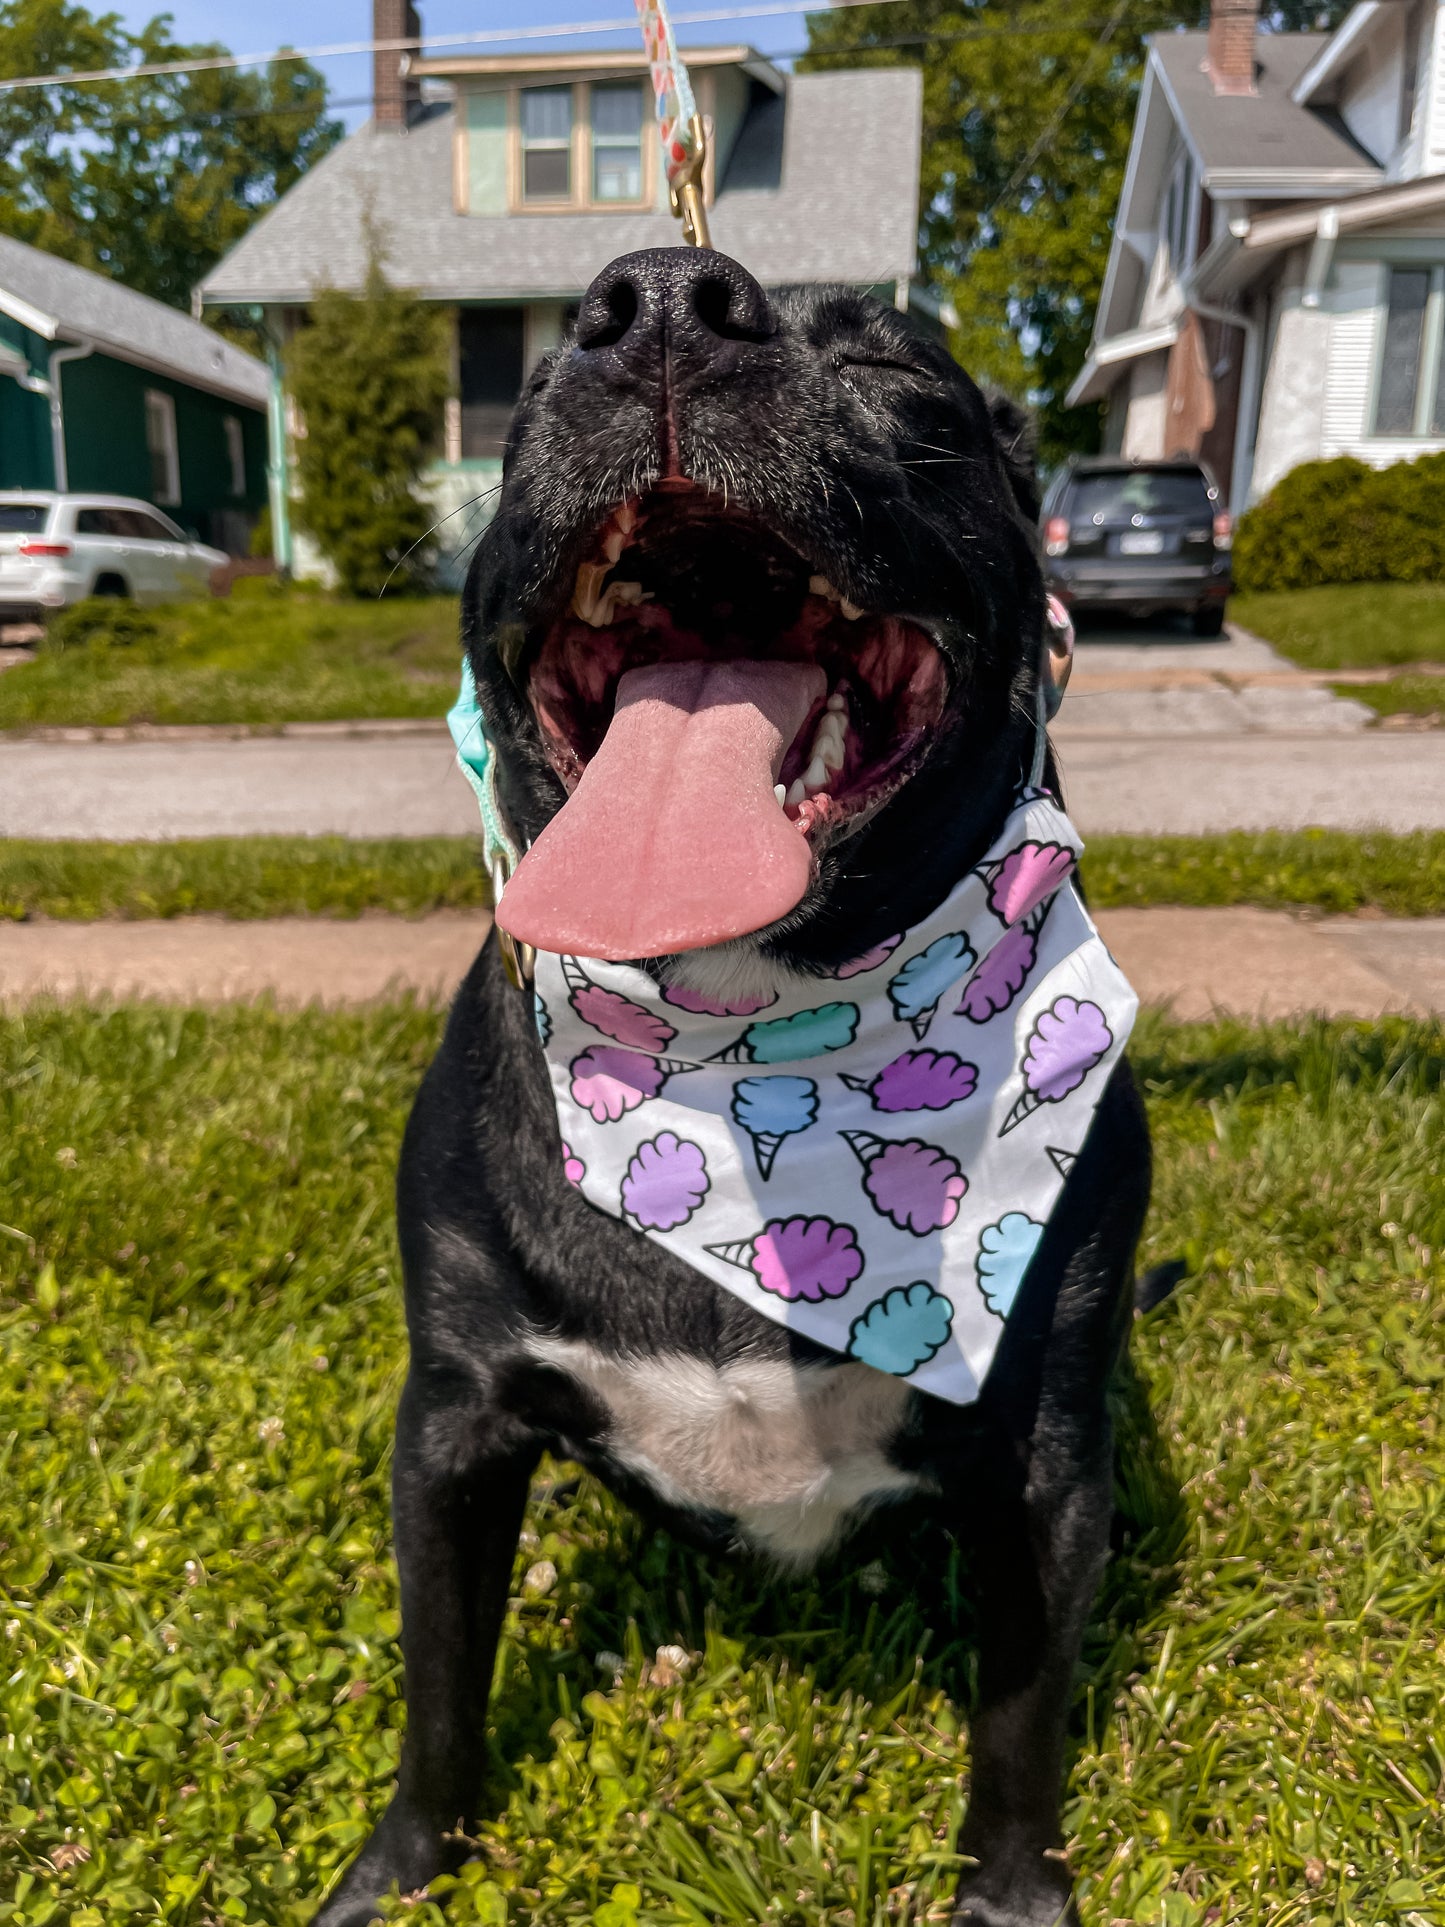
<point>838,704</point>
<point>797,794</point>
<point>629,594</point>
<point>781,794</point>
<point>626,518</point>
<point>820,585</point>
<point>815,776</point>
<point>587,591</point>
<point>851,611</point>
<point>830,753</point>
<point>613,543</point>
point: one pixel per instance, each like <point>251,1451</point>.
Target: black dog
<point>754,445</point>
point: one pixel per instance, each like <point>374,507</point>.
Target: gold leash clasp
<point>689,201</point>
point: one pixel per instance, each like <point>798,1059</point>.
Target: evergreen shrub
<point>100,622</point>
<point>369,375</point>
<point>1342,521</point>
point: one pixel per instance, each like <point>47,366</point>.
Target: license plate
<point>1142,542</point>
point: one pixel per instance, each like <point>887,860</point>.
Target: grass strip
<point>278,876</point>
<point>1400,696</point>
<point>260,657</point>
<point>200,1349</point>
<point>1350,625</point>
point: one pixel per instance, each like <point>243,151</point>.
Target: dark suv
<point>1138,537</point>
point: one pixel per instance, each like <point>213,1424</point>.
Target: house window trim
<point>170,450</point>
<point>1432,352</point>
<point>580,200</point>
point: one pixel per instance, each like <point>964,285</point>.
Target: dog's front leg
<point>459,1488</point>
<point>1041,1551</point>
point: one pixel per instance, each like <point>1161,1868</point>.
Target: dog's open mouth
<point>716,709</point>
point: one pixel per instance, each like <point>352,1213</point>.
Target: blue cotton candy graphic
<point>782,1040</point>
<point>1004,1253</point>
<point>902,1330</point>
<point>543,1017</point>
<point>772,1108</point>
<point>915,991</point>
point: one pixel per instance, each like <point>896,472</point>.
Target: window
<point>236,453</point>
<point>492,349</point>
<point>617,122</point>
<point>100,522</point>
<point>1410,395</point>
<point>1178,209</point>
<point>1106,496</point>
<point>161,441</point>
<point>140,527</point>
<point>546,143</point>
<point>23,518</point>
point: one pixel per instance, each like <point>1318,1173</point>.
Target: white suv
<point>58,549</point>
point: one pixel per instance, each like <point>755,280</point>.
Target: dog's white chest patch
<point>792,1453</point>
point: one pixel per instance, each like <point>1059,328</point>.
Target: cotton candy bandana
<point>872,1160</point>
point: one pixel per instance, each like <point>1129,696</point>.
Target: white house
<point>1276,289</point>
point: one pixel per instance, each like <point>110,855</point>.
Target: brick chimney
<point>395,93</point>
<point>1230,61</point>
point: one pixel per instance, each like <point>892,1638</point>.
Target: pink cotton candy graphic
<point>810,1258</point>
<point>1063,1047</point>
<point>665,1183</point>
<point>916,1185</point>
<point>614,1015</point>
<point>1002,974</point>
<point>573,1169</point>
<point>870,960</point>
<point>701,1006</point>
<point>919,1080</point>
<point>609,1082</point>
<point>1025,877</point>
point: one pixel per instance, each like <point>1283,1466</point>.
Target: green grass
<point>1401,696</point>
<point>261,658</point>
<point>1353,625</point>
<point>332,876</point>
<point>200,1346</point>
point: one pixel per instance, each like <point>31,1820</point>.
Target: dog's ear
<point>1013,430</point>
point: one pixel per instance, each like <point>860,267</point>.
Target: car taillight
<point>1224,531</point>
<point>1056,535</point>
<point>43,548</point>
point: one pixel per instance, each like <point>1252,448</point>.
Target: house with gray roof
<point>105,391</point>
<point>1276,288</point>
<point>500,186</point>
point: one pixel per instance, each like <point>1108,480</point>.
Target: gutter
<point>58,358</point>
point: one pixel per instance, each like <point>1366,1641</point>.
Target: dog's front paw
<point>1037,1895</point>
<point>399,1856</point>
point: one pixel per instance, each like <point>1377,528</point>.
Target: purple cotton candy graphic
<point>701,1006</point>
<point>609,1082</point>
<point>1025,877</point>
<point>919,1080</point>
<point>573,1169</point>
<point>1002,974</point>
<point>916,1185</point>
<point>810,1258</point>
<point>615,1016</point>
<point>870,960</point>
<point>665,1183</point>
<point>1063,1047</point>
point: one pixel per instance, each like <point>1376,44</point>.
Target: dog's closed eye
<point>880,362</point>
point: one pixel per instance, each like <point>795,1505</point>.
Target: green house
<point>104,391</point>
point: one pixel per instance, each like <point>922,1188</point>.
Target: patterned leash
<point>684,140</point>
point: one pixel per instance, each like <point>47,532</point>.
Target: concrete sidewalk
<point>1252,963</point>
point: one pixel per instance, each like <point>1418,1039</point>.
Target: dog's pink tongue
<point>674,838</point>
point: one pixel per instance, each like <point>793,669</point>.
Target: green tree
<point>369,374</point>
<point>1028,109</point>
<point>148,180</point>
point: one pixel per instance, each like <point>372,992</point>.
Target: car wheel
<point>112,585</point>
<point>1210,621</point>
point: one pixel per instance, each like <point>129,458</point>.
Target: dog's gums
<point>680,577</point>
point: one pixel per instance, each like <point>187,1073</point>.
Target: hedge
<point>1342,521</point>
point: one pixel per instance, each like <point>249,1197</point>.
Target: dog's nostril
<point>603,323</point>
<point>726,310</point>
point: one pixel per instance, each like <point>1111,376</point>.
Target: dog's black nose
<point>698,303</point>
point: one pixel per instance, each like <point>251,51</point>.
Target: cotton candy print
<point>541,1017</point>
<point>848,1156</point>
<point>615,1016</point>
<point>799,1257</point>
<point>1063,1047</point>
<point>1005,1251</point>
<point>782,1040</point>
<point>770,1109</point>
<point>915,1184</point>
<point>665,1183</point>
<point>1025,877</point>
<point>919,1080</point>
<point>917,989</point>
<point>902,1330</point>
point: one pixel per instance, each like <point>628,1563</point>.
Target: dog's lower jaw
<point>729,973</point>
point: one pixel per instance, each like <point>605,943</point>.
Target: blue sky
<point>259,24</point>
